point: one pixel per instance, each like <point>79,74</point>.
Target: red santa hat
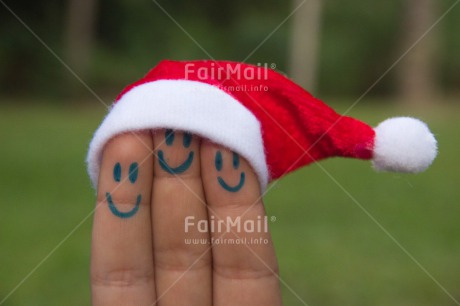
<point>269,120</point>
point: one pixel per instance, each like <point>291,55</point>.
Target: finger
<point>183,269</point>
<point>122,256</point>
<point>244,272</point>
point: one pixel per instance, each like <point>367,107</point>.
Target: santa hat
<point>260,114</point>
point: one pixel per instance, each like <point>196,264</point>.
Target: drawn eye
<point>133,172</point>
<point>187,139</point>
<point>236,160</point>
<point>117,172</point>
<point>169,137</point>
<point>218,161</point>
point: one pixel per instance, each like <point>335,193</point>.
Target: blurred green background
<point>330,251</point>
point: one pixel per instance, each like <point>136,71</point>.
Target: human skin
<point>152,181</point>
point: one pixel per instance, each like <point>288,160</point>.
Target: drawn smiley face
<point>218,161</point>
<point>169,140</point>
<point>133,174</point>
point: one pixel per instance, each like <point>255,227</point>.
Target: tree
<point>79,34</point>
<point>305,42</point>
<point>417,72</point>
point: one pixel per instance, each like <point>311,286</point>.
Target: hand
<point>157,214</point>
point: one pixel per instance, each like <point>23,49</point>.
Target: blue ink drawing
<point>169,139</point>
<point>218,161</point>
<point>133,174</point>
<point>122,214</point>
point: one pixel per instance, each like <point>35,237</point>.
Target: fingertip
<point>126,166</point>
<point>176,153</point>
<point>227,174</point>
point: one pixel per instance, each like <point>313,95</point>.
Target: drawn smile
<point>232,188</point>
<point>121,214</point>
<point>176,170</point>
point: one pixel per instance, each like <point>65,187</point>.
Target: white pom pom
<point>403,144</point>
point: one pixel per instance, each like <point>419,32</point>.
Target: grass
<point>330,251</point>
